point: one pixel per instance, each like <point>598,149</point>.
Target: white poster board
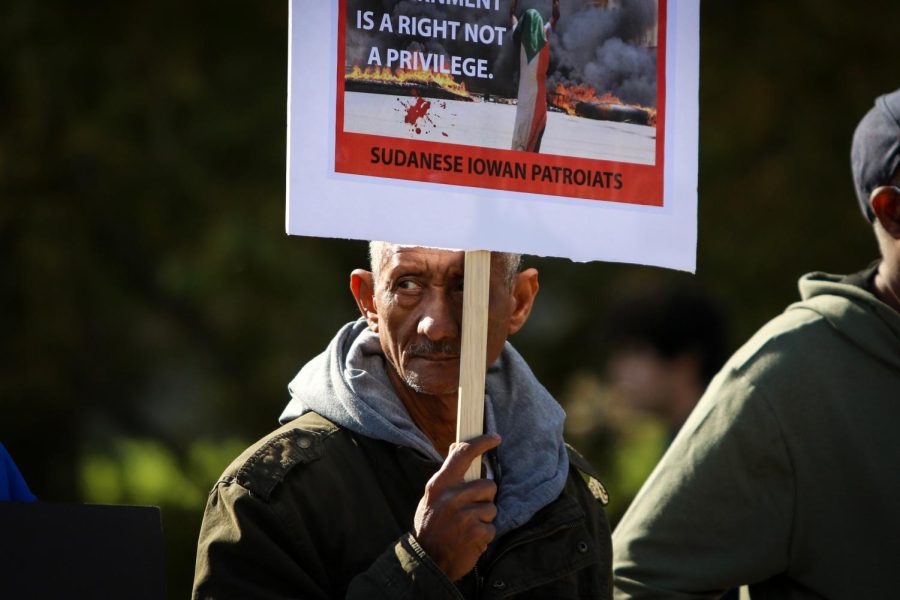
<point>402,126</point>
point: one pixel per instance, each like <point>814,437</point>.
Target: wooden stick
<point>473,353</point>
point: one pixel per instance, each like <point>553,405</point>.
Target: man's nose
<point>440,320</point>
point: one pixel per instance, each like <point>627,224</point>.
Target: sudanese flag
<point>531,36</point>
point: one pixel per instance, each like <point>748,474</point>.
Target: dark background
<point>152,310</point>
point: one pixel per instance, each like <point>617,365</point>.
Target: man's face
<point>418,298</point>
<point>641,377</point>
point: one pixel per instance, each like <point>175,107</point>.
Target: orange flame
<point>567,97</point>
<point>420,76</point>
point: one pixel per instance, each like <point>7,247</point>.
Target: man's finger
<point>479,490</point>
<point>463,453</point>
<point>487,533</point>
<point>484,512</point>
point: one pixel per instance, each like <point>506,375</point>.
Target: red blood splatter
<point>418,130</point>
<point>417,111</point>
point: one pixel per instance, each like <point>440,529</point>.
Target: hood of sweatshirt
<point>348,384</point>
<point>855,313</point>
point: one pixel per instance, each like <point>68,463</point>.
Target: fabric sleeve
<point>404,571</point>
<point>244,551</point>
<point>717,511</point>
<point>247,549</point>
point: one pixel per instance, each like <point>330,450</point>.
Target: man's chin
<point>428,386</point>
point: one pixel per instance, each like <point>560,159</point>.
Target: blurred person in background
<point>785,475</point>
<point>662,343</point>
<point>666,341</point>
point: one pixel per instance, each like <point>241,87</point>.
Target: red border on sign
<point>549,174</point>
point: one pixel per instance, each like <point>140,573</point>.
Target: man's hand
<point>453,523</point>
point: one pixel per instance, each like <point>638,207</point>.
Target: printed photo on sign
<point>560,97</point>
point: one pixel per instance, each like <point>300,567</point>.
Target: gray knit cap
<point>875,153</point>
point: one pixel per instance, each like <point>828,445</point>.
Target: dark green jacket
<point>314,511</point>
<point>786,476</point>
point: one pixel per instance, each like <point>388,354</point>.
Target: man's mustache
<point>427,348</point>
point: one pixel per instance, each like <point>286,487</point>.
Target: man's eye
<point>407,284</point>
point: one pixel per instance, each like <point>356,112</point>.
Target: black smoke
<point>610,48</point>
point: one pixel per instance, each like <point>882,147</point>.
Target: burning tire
<point>621,113</point>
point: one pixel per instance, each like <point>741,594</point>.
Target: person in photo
<point>360,494</point>
<point>784,477</point>
<point>531,36</point>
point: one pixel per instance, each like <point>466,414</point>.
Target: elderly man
<point>361,493</point>
<point>785,476</point>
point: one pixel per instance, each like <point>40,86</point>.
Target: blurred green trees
<point>152,310</point>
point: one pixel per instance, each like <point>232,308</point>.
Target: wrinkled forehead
<point>394,256</point>
<point>385,256</point>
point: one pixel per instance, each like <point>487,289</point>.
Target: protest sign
<point>551,127</point>
<point>488,124</point>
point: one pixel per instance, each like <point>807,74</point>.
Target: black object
<point>50,551</point>
<point>607,111</point>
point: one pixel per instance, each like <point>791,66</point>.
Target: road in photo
<point>490,125</point>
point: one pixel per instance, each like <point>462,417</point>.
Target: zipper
<point>479,581</point>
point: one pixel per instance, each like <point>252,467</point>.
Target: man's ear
<point>524,291</point>
<point>885,202</point>
<point>362,284</point>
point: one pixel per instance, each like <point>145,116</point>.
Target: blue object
<point>12,484</point>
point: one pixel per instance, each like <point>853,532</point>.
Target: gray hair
<point>510,261</point>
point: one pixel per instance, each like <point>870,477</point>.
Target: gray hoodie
<point>348,385</point>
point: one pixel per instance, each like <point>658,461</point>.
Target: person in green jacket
<point>786,475</point>
<point>360,494</point>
